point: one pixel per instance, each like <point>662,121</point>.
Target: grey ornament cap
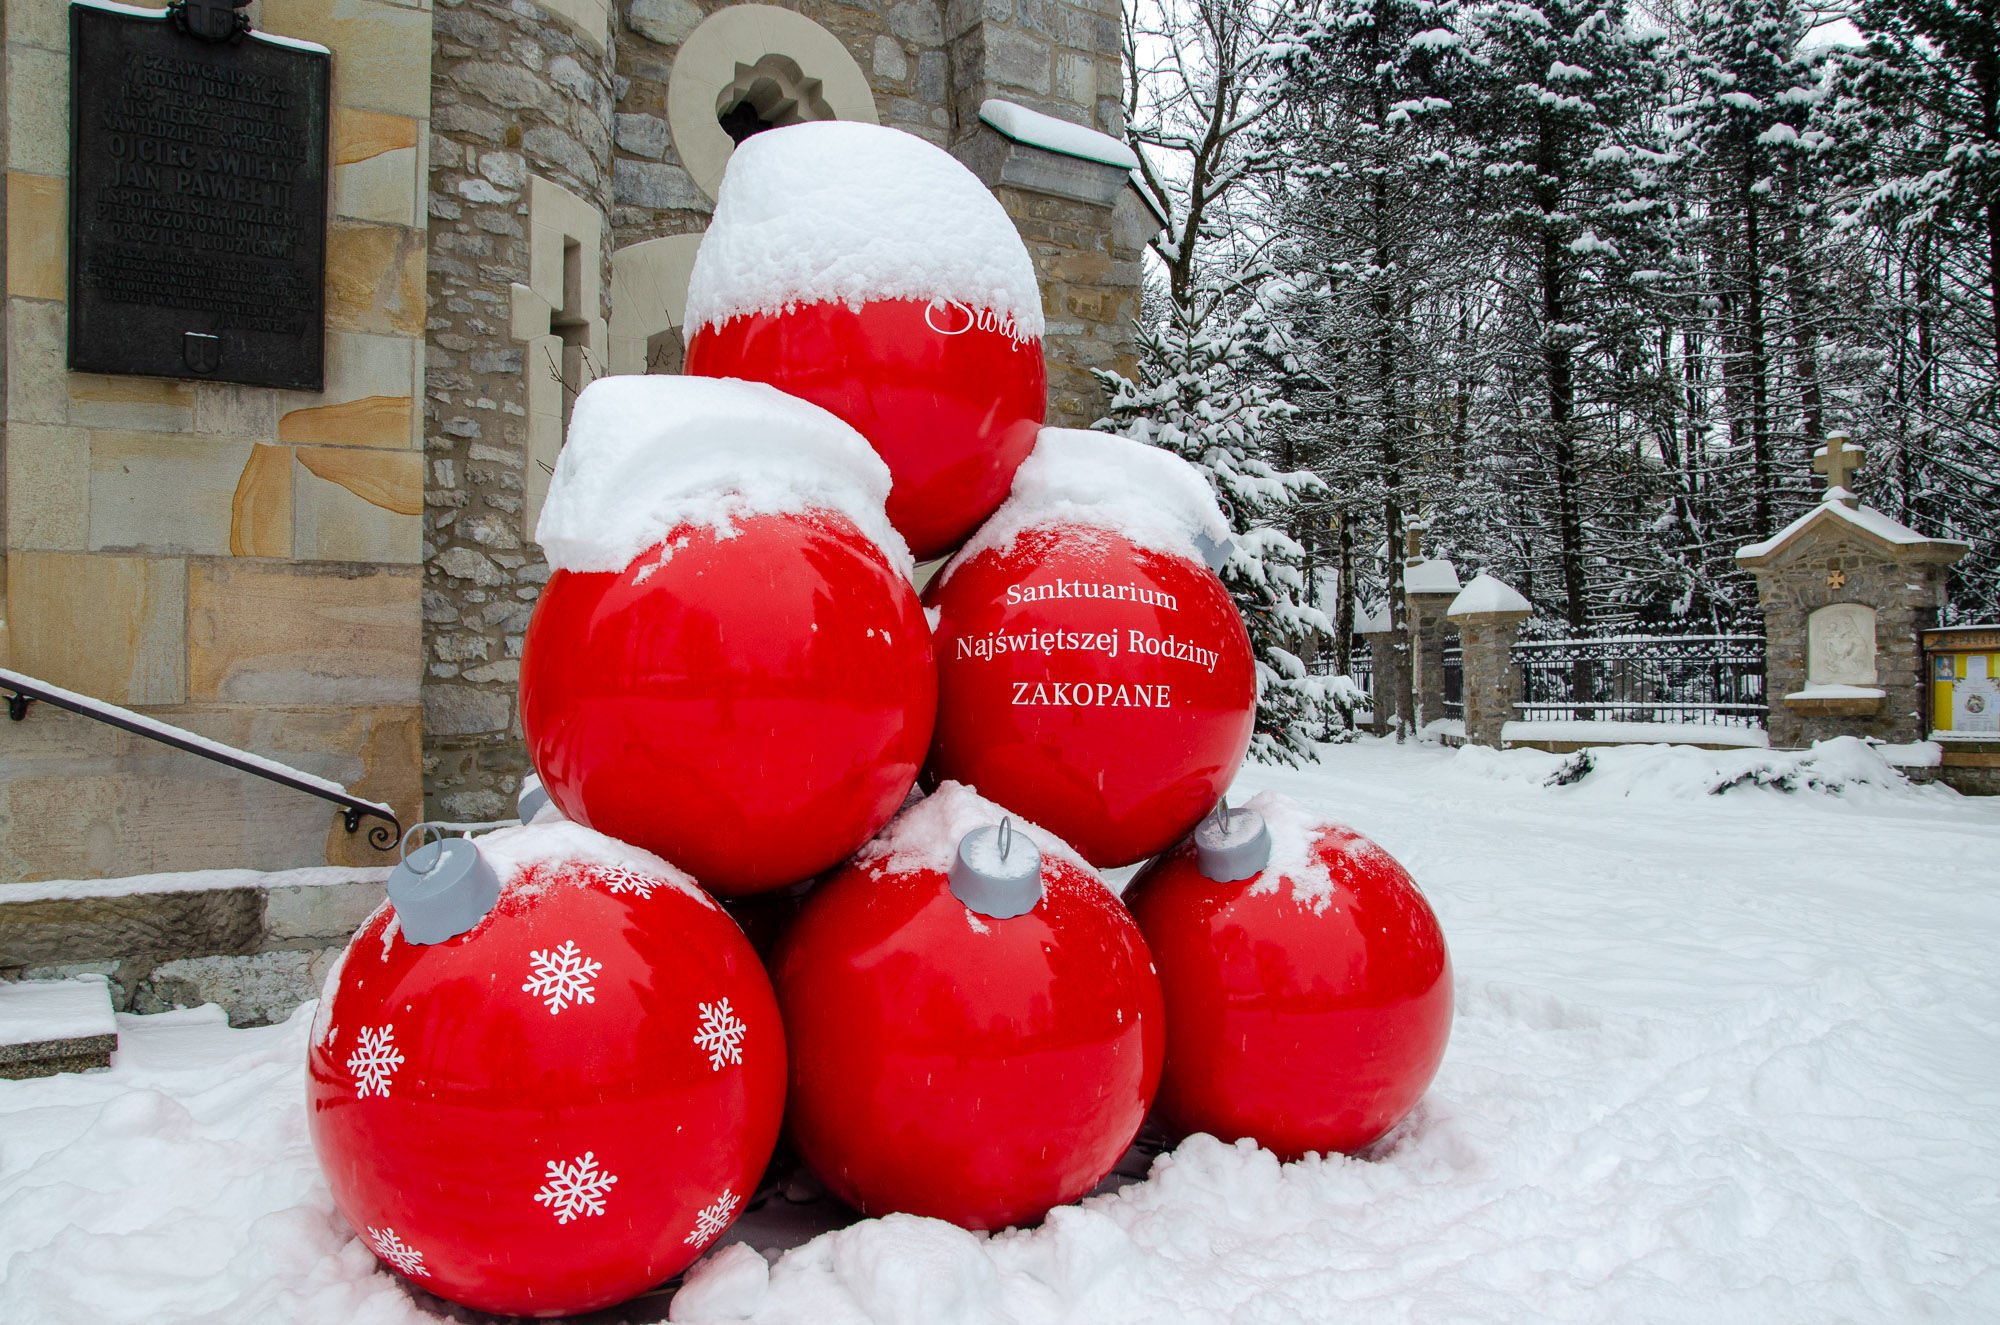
<point>1213,551</point>
<point>998,872</point>
<point>532,798</point>
<point>1232,844</point>
<point>442,889</point>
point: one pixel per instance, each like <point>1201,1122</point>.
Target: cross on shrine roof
<point>1837,460</point>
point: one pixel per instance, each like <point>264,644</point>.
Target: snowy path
<point>1717,1058</point>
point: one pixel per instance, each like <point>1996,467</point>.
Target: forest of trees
<point>1573,287</point>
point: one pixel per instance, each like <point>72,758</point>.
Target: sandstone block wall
<point>240,561</point>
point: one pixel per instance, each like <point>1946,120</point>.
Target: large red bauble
<point>954,1065</point>
<point>751,708</point>
<point>1100,689</point>
<point>558,1109</point>
<point>1302,1019</point>
<point>948,398</point>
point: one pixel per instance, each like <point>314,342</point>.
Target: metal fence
<point>1454,682</point>
<point>1717,680</point>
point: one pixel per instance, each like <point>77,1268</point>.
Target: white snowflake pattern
<point>397,1252</point>
<point>721,1034</point>
<point>713,1218</point>
<point>562,976</point>
<point>374,1061</point>
<point>576,1188</point>
<point>619,879</point>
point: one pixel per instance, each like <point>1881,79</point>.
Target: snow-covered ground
<point>1718,1057</point>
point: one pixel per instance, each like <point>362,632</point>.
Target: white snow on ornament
<point>1099,480</point>
<point>649,454</point>
<point>565,851</point>
<point>575,1189</point>
<point>1295,859</point>
<point>925,835</point>
<point>835,211</point>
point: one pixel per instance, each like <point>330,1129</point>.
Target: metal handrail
<point>23,689</point>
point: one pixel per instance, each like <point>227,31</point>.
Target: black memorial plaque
<point>198,180</point>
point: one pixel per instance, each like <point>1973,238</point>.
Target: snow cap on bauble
<point>834,211</point>
<point>925,836</point>
<point>649,454</point>
<point>1099,480</point>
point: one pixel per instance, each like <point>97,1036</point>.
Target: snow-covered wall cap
<point>1372,621</point>
<point>1433,576</point>
<point>647,454</point>
<point>512,851</point>
<point>1054,135</point>
<point>1099,480</point>
<point>926,835</point>
<point>1487,594</point>
<point>835,211</point>
<point>1865,518</point>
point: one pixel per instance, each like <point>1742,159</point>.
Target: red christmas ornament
<point>1100,688</point>
<point>561,1106</point>
<point>949,399</point>
<point>728,666</point>
<point>867,271</point>
<point>1309,1001</point>
<point>976,1033</point>
<point>752,708</point>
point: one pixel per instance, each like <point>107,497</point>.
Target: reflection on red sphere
<point>1303,1027</point>
<point>948,398</point>
<point>560,1108</point>
<point>751,708</point>
<point>1097,688</point>
<point>958,1066</point>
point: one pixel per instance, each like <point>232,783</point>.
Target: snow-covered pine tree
<point>1555,101</point>
<point>1199,396</point>
<point>1916,123</point>
<point>1363,208</point>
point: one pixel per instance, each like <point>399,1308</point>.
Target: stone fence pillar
<point>1385,663</point>
<point>1488,614</point>
<point>1428,589</point>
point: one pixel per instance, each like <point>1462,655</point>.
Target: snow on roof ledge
<point>1865,518</point>
<point>1054,135</point>
<point>1487,594</point>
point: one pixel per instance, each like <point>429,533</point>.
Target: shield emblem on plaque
<point>201,352</point>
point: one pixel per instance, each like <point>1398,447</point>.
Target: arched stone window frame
<point>649,286</point>
<point>556,317</point>
<point>734,40</point>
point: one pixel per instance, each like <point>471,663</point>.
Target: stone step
<point>51,1026</point>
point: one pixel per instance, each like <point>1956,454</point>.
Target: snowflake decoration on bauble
<point>397,1252</point>
<point>374,1061</point>
<point>721,1034</point>
<point>619,879</point>
<point>576,1188</point>
<point>562,976</point>
<point>713,1218</point>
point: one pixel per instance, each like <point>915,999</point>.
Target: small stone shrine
<point>1846,593</point>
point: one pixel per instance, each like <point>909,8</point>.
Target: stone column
<point>1428,635</point>
<point>1492,682</point>
<point>522,106</point>
<point>1387,667</point>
